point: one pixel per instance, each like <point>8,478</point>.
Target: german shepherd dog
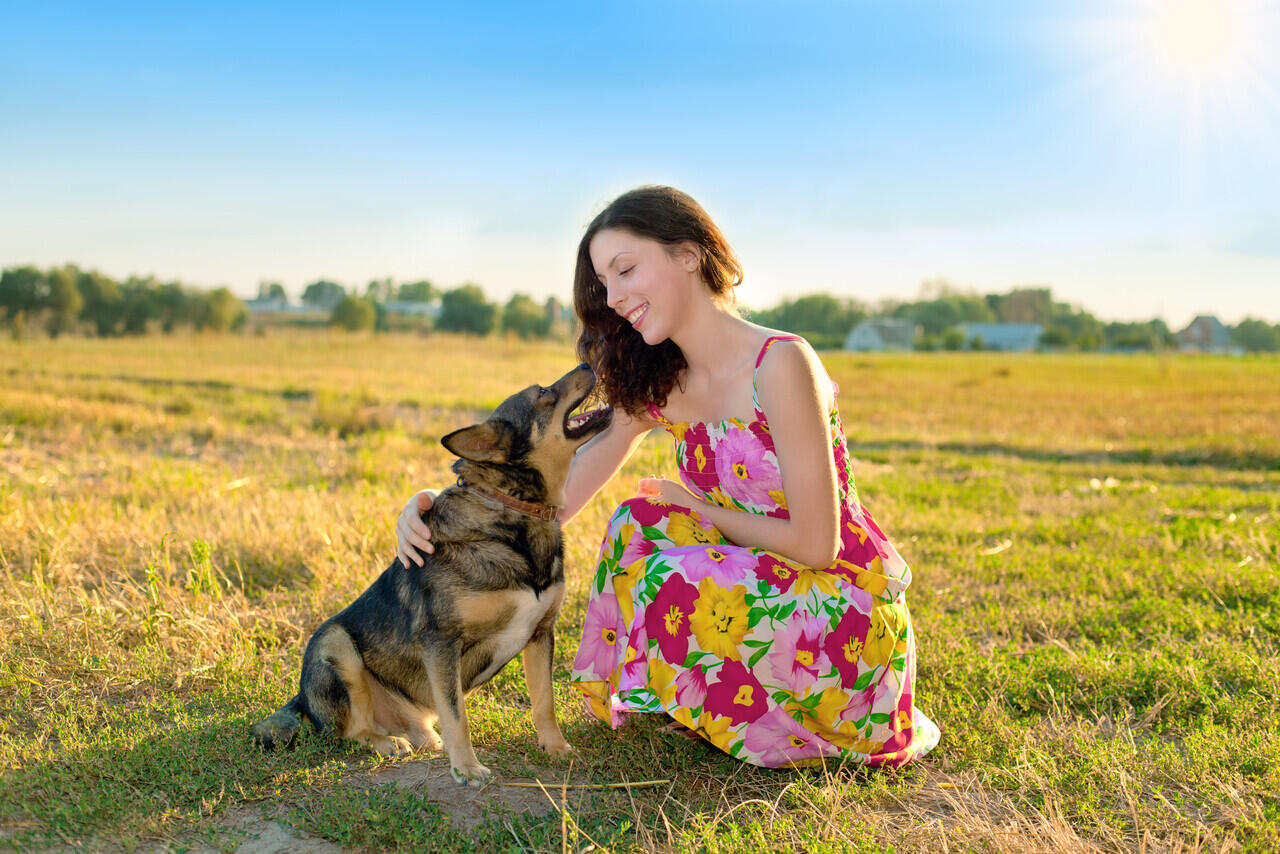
<point>405,654</point>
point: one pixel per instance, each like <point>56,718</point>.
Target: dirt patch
<point>257,830</point>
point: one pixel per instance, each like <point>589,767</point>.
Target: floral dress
<point>775,663</point>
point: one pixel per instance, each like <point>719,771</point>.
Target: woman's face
<point>645,283</point>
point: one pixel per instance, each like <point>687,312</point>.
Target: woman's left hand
<point>667,491</point>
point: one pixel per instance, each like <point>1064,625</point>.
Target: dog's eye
<point>543,392</point>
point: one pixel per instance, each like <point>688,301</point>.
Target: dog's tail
<point>278,730</point>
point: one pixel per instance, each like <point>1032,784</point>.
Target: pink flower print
<point>598,653</point>
<point>857,544</point>
<point>797,656</point>
<point>777,739</point>
<point>727,565</point>
<point>760,430</point>
<point>844,644</point>
<point>746,469</point>
<point>645,511</point>
<point>778,573</point>
<point>691,687</point>
<point>635,664</point>
<point>872,699</point>
<point>638,548</point>
<point>667,619</point>
<point>737,695</point>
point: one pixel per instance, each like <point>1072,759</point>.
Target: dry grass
<point>1094,539</point>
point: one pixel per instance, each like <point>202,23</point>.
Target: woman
<point>757,604</point>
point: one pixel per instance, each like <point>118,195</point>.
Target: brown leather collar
<point>545,512</point>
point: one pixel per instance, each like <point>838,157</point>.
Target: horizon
<point>1121,155</point>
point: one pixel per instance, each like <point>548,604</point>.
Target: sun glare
<point>1205,71</point>
<point>1197,37</point>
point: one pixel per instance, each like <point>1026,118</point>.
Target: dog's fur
<point>405,654</point>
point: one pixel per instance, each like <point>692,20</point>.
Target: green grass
<point>1094,541</point>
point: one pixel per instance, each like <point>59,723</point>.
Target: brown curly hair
<point>632,373</point>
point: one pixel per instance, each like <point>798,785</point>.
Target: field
<point>1094,540</point>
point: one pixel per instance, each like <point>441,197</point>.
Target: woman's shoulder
<point>787,362</point>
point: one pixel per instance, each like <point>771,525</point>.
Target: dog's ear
<point>488,442</point>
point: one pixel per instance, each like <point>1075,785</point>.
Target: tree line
<point>67,299</point>
<point>63,300</point>
<point>942,308</point>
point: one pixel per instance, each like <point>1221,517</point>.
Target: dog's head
<point>533,431</point>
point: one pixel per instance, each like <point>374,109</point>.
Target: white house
<point>1206,334</point>
<point>882,333</point>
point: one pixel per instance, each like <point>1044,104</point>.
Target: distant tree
<point>354,314</point>
<point>380,290</point>
<point>1056,337</point>
<point>464,309</point>
<point>952,339</point>
<point>272,291</point>
<point>1023,305</point>
<point>218,311</point>
<point>173,306</point>
<point>64,300</point>
<point>138,304</point>
<point>936,315</point>
<point>1256,336</point>
<point>103,302</point>
<point>524,317</point>
<point>420,291</point>
<point>823,319</point>
<point>22,291</point>
<point>323,294</point>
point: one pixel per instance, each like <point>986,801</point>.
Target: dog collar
<point>545,512</point>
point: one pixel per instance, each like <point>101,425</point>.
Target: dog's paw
<point>426,740</point>
<point>557,748</point>
<point>391,745</point>
<point>475,775</point>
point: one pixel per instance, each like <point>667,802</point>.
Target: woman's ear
<point>689,254</point>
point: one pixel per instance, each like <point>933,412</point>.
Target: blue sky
<point>856,148</point>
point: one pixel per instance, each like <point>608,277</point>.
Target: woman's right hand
<point>411,532</point>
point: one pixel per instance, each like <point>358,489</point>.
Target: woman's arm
<point>599,460</point>
<point>796,397</point>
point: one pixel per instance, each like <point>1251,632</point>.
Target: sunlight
<point>1198,36</point>
<point>1202,72</point>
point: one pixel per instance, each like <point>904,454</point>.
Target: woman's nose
<point>612,295</point>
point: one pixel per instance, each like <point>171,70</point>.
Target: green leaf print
<point>759,654</point>
<point>756,644</point>
<point>878,718</point>
<point>899,663</point>
<point>864,680</point>
<point>652,533</point>
<point>693,658</point>
<point>787,610</point>
<point>602,573</point>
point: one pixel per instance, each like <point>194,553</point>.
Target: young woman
<point>756,602</point>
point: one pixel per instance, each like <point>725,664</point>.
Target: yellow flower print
<point>624,583</point>
<point>779,497</point>
<point>882,636</point>
<point>830,703</point>
<point>867,746</point>
<point>683,530</point>
<point>858,532</point>
<point>719,620</point>
<point>678,431</point>
<point>662,681</point>
<point>700,457</point>
<point>716,730</point>
<point>904,721</point>
<point>717,496</point>
<point>873,579</point>
<point>807,577</point>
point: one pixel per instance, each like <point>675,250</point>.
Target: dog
<point>404,655</point>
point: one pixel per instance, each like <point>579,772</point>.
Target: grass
<point>1094,541</point>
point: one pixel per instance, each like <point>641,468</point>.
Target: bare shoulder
<point>790,371</point>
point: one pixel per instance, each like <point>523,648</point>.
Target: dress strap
<point>656,414</point>
<point>769,342</point>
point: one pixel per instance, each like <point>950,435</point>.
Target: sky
<point>1124,153</point>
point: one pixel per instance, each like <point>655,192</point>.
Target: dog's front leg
<point>442,664</point>
<point>538,656</point>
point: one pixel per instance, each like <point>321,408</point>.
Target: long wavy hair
<point>632,373</point>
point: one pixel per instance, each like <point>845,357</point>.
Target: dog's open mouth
<point>593,420</point>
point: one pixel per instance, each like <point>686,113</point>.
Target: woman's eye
<point>626,271</point>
